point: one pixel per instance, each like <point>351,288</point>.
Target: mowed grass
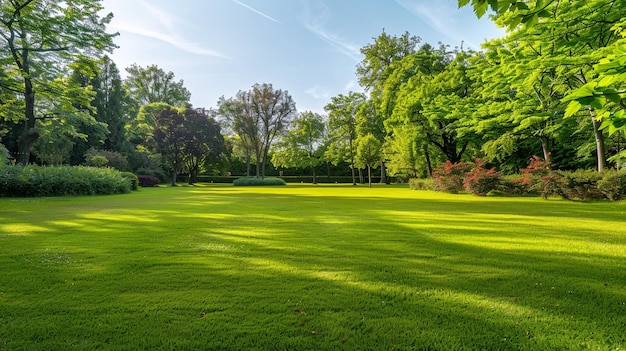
<point>307,267</point>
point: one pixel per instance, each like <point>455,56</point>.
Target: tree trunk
<point>599,141</point>
<point>429,166</point>
<point>383,173</point>
<point>369,176</point>
<point>314,178</point>
<point>248,157</point>
<point>353,175</point>
<point>361,179</point>
<point>174,176</point>
<point>28,137</point>
<point>545,147</point>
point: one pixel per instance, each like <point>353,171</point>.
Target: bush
<point>422,183</point>
<point>541,178</point>
<point>114,159</point>
<point>153,172</point>
<point>515,184</point>
<point>61,181</point>
<point>449,177</point>
<point>254,181</point>
<point>4,155</point>
<point>613,184</point>
<point>148,180</point>
<point>480,181</point>
<point>581,184</point>
<point>97,161</point>
<point>134,181</point>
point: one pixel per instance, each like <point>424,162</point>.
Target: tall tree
<point>299,147</point>
<point>203,140</point>
<point>259,116</point>
<point>342,128</point>
<point>151,85</point>
<point>110,102</point>
<point>170,137</point>
<point>38,38</point>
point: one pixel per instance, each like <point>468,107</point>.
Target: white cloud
<point>432,14</point>
<point>256,11</point>
<point>318,92</point>
<point>162,26</point>
<point>317,25</point>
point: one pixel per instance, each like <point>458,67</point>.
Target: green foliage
<point>132,178</point>
<point>113,159</point>
<point>97,161</point>
<point>581,184</point>
<point>31,180</point>
<point>4,155</point>
<point>613,184</point>
<point>254,181</point>
<point>422,183</point>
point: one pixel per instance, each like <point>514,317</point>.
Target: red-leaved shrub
<point>479,180</point>
<point>449,177</point>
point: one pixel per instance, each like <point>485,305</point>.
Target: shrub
<point>97,161</point>
<point>449,177</point>
<point>114,159</point>
<point>581,184</point>
<point>254,181</point>
<point>540,178</point>
<point>613,184</point>
<point>148,180</point>
<point>153,172</point>
<point>4,155</point>
<point>479,180</point>
<point>34,180</point>
<point>422,183</point>
<point>134,181</point>
<point>515,184</point>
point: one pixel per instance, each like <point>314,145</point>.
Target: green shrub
<point>114,159</point>
<point>254,181</point>
<point>581,184</point>
<point>422,183</point>
<point>134,181</point>
<point>4,155</point>
<point>515,184</point>
<point>153,172</point>
<point>613,184</point>
<point>97,161</point>
<point>34,180</point>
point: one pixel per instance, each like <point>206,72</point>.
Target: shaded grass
<point>224,268</point>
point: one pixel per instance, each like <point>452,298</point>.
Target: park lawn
<point>303,267</point>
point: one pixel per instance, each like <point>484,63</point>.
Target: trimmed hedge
<point>31,180</point>
<point>134,180</point>
<point>254,181</point>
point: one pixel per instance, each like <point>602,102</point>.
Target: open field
<point>304,267</point>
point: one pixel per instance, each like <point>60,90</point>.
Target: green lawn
<point>307,267</point>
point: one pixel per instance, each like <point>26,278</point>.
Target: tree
<point>368,153</point>
<point>203,140</point>
<point>342,128</point>
<point>170,138</point>
<point>152,84</point>
<point>110,103</point>
<point>37,39</point>
<point>299,147</point>
<point>570,39</point>
<point>258,116</point>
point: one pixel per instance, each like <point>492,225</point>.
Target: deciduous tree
<point>37,40</point>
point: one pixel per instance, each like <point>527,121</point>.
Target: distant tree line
<point>553,87</point>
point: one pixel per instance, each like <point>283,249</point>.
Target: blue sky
<point>307,47</point>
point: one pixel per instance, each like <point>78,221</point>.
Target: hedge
<point>31,180</point>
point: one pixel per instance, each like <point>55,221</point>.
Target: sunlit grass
<point>310,268</point>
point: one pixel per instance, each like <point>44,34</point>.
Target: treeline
<point>552,87</point>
